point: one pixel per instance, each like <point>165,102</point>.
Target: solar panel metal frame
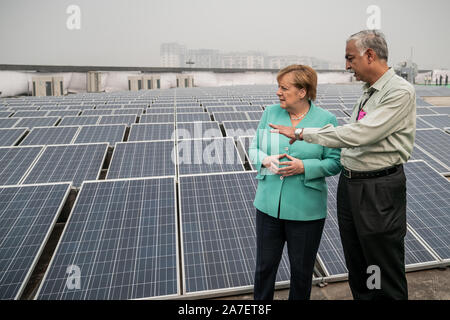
<point>177,242</point>
<point>31,168</point>
<point>47,236</point>
<point>217,292</point>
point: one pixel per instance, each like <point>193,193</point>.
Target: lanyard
<point>362,104</point>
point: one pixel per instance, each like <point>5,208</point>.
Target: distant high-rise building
<point>172,55</point>
<point>176,55</point>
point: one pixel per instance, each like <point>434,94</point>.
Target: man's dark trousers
<point>372,224</point>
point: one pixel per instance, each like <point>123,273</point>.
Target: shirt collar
<point>379,84</point>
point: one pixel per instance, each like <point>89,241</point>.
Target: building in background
<point>176,55</point>
<point>48,86</point>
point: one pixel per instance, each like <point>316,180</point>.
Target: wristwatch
<point>297,133</point>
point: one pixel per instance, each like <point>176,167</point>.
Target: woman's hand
<point>287,131</point>
<point>293,167</point>
<point>272,162</point>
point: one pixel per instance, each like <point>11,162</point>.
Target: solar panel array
<point>169,155</point>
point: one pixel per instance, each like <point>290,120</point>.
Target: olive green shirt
<point>384,137</point>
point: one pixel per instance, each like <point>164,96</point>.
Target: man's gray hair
<point>372,39</point>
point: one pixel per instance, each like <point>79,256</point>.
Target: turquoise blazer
<point>300,197</point>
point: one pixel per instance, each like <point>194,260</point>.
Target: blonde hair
<point>305,77</point>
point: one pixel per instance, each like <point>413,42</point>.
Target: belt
<point>369,174</point>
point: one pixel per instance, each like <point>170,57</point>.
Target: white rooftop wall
<point>18,83</point>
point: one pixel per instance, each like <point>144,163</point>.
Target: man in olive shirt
<point>371,196</point>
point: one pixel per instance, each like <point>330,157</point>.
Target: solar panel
<point>189,109</point>
<point>436,143</point>
<point>198,130</point>
<point>134,111</point>
<point>420,124</point>
<point>191,117</point>
<point>97,112</point>
<point>77,163</point>
<point>240,128</point>
<point>15,162</point>
<point>63,113</point>
<point>29,114</point>
<point>101,133</point>
<point>8,122</point>
<point>152,131</point>
<point>220,109</point>
<point>157,118</point>
<point>50,135</point>
<point>127,119</point>
<point>441,110</point>
<point>428,206</point>
<point>9,137</point>
<point>438,121</point>
<point>219,233</point>
<point>250,108</point>
<point>160,110</point>
<point>5,114</point>
<point>207,156</point>
<point>79,121</point>
<point>420,154</point>
<point>122,236</point>
<point>36,122</point>
<point>229,116</point>
<point>28,214</point>
<point>142,159</point>
<point>424,111</point>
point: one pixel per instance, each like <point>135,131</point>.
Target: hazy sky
<point>129,33</point>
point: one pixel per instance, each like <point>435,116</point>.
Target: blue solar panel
<point>436,143</point>
<point>127,119</point>
<point>198,130</point>
<point>152,131</point>
<point>208,155</point>
<point>437,121</point>
<point>28,214</point>
<point>122,235</point>
<point>50,135</point>
<point>79,121</point>
<point>9,137</point>
<point>191,117</point>
<point>218,232</point>
<point>229,116</point>
<point>419,154</point>
<point>15,162</point>
<point>101,133</point>
<point>36,122</point>
<point>429,206</point>
<point>142,159</point>
<point>8,122</point>
<point>157,118</point>
<point>77,163</point>
<point>240,128</point>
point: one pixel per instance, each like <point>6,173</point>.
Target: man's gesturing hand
<point>287,131</point>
